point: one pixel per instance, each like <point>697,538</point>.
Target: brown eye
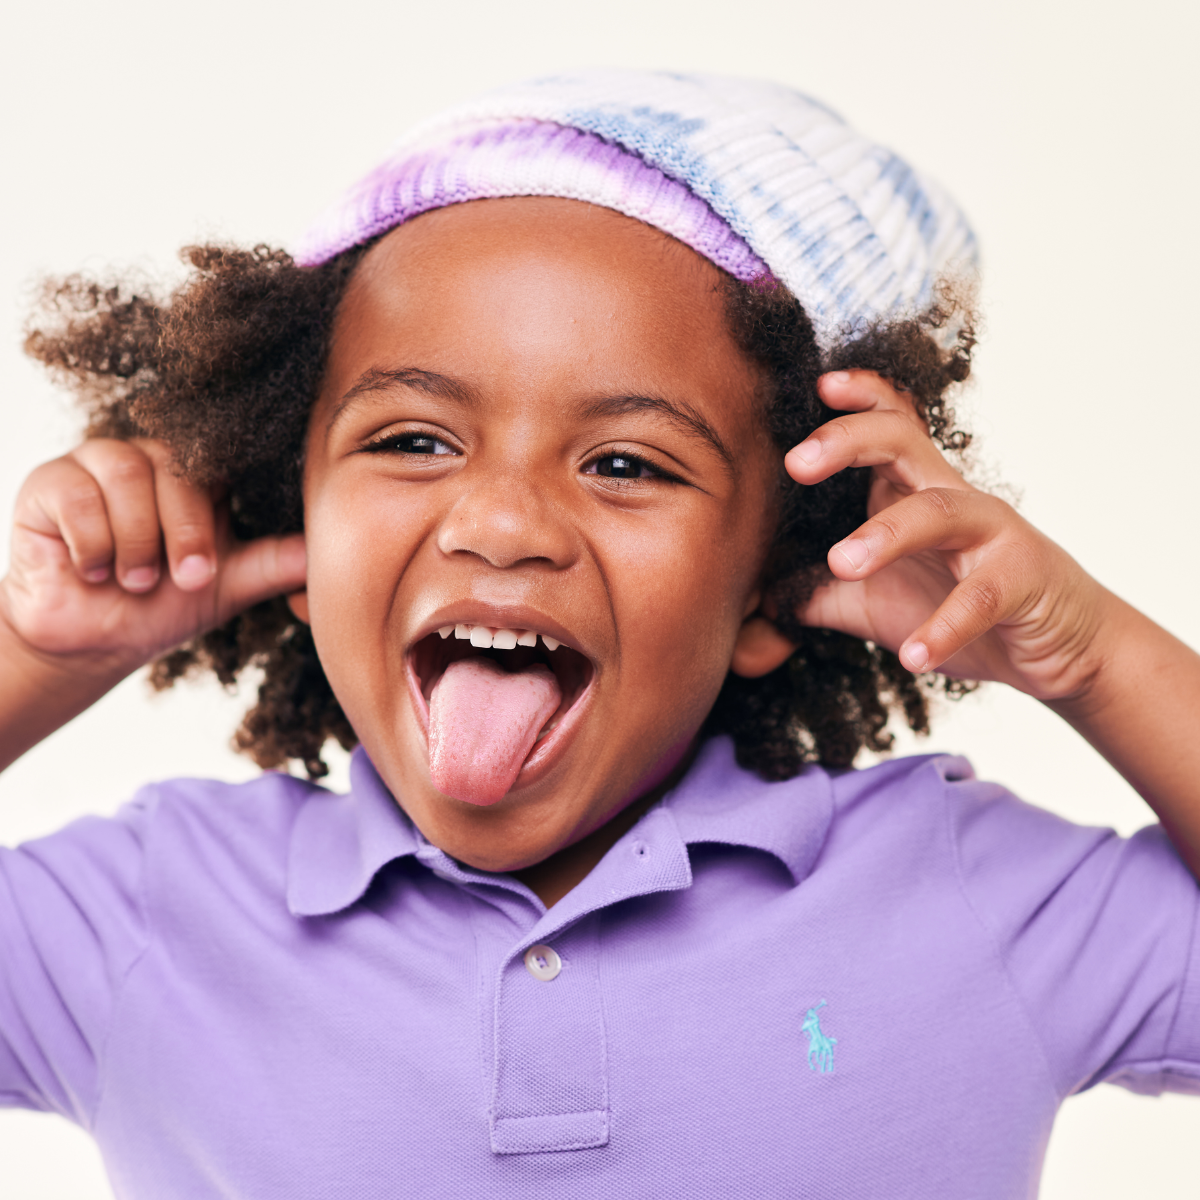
<point>422,443</point>
<point>622,466</point>
<point>412,443</point>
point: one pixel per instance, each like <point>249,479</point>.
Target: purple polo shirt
<point>872,983</point>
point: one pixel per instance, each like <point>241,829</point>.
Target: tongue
<point>482,723</point>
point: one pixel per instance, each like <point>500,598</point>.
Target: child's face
<point>534,418</point>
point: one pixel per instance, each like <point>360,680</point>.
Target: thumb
<point>258,570</point>
<point>839,605</point>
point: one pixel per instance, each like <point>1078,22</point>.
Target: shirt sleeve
<point>71,928</point>
<point>1098,935</point>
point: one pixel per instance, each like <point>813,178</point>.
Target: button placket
<point>551,1085</point>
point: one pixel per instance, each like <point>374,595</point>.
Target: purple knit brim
<point>526,158</point>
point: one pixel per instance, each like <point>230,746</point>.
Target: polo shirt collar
<point>339,843</point>
<point>718,802</point>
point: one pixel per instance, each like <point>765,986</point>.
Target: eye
<point>411,443</point>
<point>623,466</point>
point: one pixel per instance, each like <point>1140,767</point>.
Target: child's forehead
<point>587,276</point>
<point>550,230</point>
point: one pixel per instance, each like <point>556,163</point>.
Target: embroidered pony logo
<point>820,1045</point>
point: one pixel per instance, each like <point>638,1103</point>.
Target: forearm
<point>39,693</point>
<point>1141,710</point>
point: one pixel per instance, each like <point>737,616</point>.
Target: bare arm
<point>1141,710</point>
<point>42,692</point>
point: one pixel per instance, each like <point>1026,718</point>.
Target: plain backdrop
<point>1065,130</point>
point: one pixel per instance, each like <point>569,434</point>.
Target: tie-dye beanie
<point>759,179</point>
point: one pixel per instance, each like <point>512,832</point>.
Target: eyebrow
<point>681,414</point>
<point>374,379</point>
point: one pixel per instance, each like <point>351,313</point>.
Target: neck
<point>552,878</point>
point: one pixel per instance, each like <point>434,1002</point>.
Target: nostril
<point>507,526</point>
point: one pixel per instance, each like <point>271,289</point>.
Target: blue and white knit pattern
<point>854,232</point>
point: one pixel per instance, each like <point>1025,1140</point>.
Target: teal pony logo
<point>820,1045</point>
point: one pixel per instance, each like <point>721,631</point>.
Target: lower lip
<point>546,751</point>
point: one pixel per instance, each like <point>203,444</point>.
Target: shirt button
<point>542,963</point>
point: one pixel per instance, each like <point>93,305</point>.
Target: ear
<point>298,603</point>
<point>759,648</point>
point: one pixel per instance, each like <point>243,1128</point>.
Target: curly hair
<point>225,370</point>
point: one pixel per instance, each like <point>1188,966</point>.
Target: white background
<point>1066,131</point>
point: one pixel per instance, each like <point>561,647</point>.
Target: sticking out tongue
<point>483,721</point>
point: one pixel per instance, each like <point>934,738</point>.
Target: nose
<point>507,521</point>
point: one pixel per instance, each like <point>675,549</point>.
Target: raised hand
<point>113,554</point>
<point>114,560</point>
<point>954,580</point>
<point>950,577</point>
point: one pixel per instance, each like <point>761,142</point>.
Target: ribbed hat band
<point>757,178</point>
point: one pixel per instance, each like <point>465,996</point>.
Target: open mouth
<point>496,700</point>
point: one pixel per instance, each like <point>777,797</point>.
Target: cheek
<point>357,549</point>
<point>681,603</point>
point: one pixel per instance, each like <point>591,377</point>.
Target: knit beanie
<point>759,179</point>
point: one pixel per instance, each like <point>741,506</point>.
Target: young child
<point>585,469</point>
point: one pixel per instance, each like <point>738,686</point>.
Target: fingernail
<point>807,452</point>
<point>99,575</point>
<point>193,570</point>
<point>838,376</point>
<point>855,551</point>
<point>916,657</point>
<point>140,579</point>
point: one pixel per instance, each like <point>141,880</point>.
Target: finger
<point>981,601</point>
<point>61,499</point>
<point>126,479</point>
<point>896,443</point>
<point>258,570</point>
<point>862,391</point>
<point>188,525</point>
<point>931,519</point>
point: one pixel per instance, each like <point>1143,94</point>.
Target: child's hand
<point>949,576</point>
<point>954,580</point>
<point>115,559</point>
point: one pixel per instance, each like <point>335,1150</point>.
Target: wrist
<point>1124,663</point>
<point>25,659</point>
<point>43,691</point>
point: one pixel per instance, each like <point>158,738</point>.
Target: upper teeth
<point>484,637</point>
